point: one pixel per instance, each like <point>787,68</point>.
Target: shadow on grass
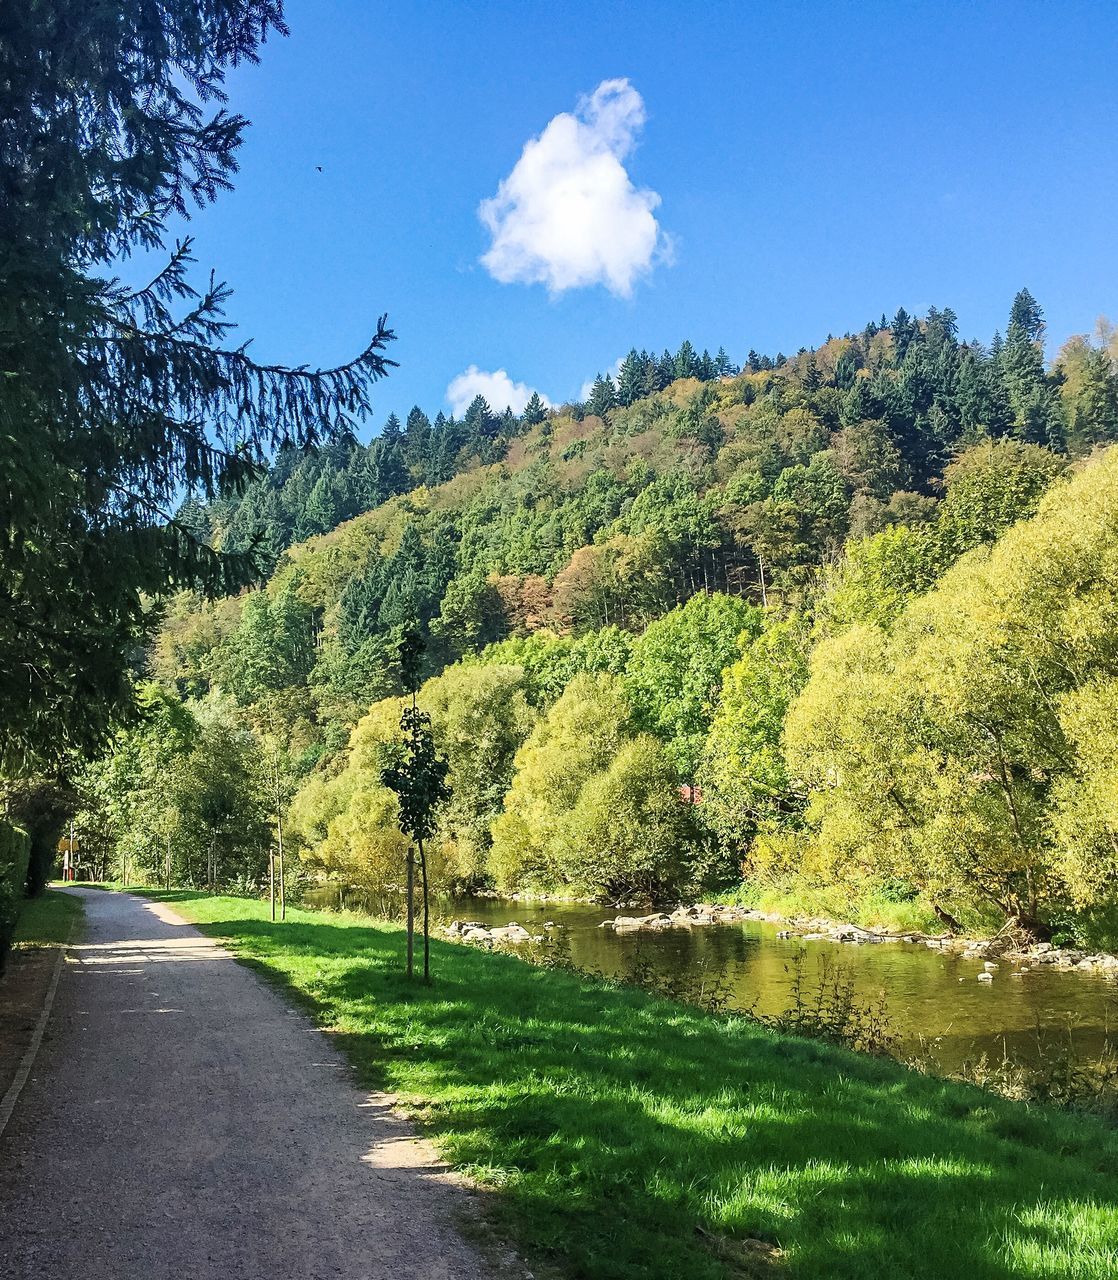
<point>631,1137</point>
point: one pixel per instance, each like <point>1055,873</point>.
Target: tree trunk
<point>167,862</point>
<point>947,918</point>
<point>272,881</point>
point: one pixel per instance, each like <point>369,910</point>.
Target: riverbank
<point>624,1136</point>
<point>1008,945</point>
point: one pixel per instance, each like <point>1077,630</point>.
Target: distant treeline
<point>700,625</point>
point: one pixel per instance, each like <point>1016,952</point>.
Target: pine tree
<point>1027,316</point>
<point>1095,415</point>
<point>686,363</point>
<point>603,396</point>
<point>630,378</point>
<point>650,375</point>
<point>388,469</point>
<point>847,366</point>
<point>1036,417</point>
<point>972,396</point>
<point>479,426</point>
<point>116,401</point>
<point>534,411</point>
<point>904,330</point>
<point>320,515</point>
<point>417,442</point>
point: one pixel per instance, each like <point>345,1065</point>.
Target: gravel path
<point>182,1122</point>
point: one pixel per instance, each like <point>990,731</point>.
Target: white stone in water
<point>985,977</point>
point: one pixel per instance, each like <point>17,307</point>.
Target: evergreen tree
<point>417,448</point>
<point>480,427</point>
<point>603,396</point>
<point>446,442</point>
<point>686,362</point>
<point>905,329</point>
<point>650,375</point>
<point>972,396</point>
<point>1036,412</point>
<point>1027,316</point>
<point>846,368</point>
<point>1095,414</point>
<point>117,401</point>
<point>359,606</point>
<point>630,378</point>
<point>388,471</point>
<point>320,514</point>
<point>534,411</point>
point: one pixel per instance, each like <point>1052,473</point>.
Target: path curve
<point>182,1121</point>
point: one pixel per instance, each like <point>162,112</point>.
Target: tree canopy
<point>115,400</point>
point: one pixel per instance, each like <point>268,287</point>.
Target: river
<point>936,1006</point>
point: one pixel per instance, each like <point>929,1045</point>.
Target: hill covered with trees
<point>844,618</point>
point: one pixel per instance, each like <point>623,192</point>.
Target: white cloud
<point>613,371</point>
<point>568,215</point>
<point>498,389</point>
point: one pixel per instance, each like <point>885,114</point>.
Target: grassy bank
<point>872,909</point>
<point>625,1137</point>
<point>47,919</point>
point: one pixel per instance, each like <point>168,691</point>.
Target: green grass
<point>47,919</point>
<point>869,908</point>
<point>627,1137</point>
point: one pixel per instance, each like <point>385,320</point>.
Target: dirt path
<point>181,1121</point>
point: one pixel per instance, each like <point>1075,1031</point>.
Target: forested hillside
<point>841,618</point>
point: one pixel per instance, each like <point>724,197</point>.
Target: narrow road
<point>181,1121</point>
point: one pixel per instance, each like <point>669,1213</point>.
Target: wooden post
<point>411,911</point>
<point>272,881</point>
<point>282,884</point>
<point>167,863</point>
<point>426,916</point>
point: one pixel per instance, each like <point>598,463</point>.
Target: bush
<point>15,849</point>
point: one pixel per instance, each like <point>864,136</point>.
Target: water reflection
<point>935,1002</point>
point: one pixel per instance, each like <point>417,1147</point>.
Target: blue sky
<point>815,164</point>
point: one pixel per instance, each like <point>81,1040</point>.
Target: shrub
<point>15,849</point>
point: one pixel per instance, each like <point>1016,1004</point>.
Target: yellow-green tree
<point>941,753</point>
<point>629,831</point>
<point>576,740</point>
